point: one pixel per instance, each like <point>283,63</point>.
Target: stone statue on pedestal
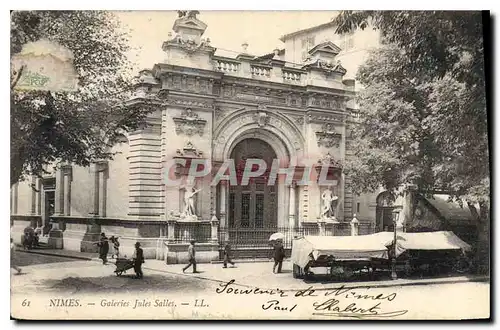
<point>189,209</point>
<point>328,197</point>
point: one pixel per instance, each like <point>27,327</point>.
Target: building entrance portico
<point>252,204</point>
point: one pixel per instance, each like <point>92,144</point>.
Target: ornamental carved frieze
<point>328,137</point>
<point>163,95</point>
<point>328,159</point>
<point>190,103</point>
<point>320,118</point>
<point>189,123</point>
<point>189,151</point>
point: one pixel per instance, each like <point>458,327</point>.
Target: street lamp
<point>395,218</point>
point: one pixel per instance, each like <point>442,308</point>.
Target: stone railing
<point>227,66</point>
<point>260,71</point>
<point>275,72</point>
<point>291,76</point>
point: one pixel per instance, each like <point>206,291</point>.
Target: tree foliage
<point>82,126</point>
<point>423,108</point>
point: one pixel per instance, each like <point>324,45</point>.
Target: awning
<point>372,246</point>
<point>451,210</point>
<point>341,247</point>
<point>438,240</point>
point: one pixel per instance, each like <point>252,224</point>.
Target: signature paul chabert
<point>340,302</point>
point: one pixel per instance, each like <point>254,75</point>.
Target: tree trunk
<point>482,248</point>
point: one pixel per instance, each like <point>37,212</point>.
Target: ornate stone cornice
<point>189,123</point>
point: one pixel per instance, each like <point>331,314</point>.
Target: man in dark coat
<point>279,255</point>
<point>191,258</point>
<point>138,260</point>
<point>227,255</point>
<point>103,248</point>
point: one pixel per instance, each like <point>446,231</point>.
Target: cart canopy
<point>371,246</point>
<point>340,247</point>
<point>437,240</point>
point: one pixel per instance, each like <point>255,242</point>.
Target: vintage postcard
<point>227,165</point>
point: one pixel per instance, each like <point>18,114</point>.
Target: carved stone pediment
<point>189,151</point>
<point>328,137</point>
<point>189,123</point>
<point>328,159</point>
<point>326,47</point>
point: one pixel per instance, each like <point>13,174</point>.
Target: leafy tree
<point>423,116</point>
<point>81,126</point>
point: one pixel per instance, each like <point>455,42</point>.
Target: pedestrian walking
<point>192,258</point>
<point>227,255</point>
<point>116,246</point>
<point>279,255</point>
<point>12,257</point>
<point>103,245</point>
<point>138,260</point>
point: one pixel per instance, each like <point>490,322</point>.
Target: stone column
<point>102,192</point>
<point>14,198</point>
<point>214,229</point>
<point>292,206</point>
<point>39,197</point>
<point>222,203</point>
<point>100,188</point>
<point>33,195</point>
<point>95,192</point>
<point>55,240</point>
<point>59,194</point>
<point>67,188</point>
<point>222,210</point>
<point>67,178</point>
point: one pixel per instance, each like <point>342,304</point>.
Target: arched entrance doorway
<point>252,209</point>
<point>252,206</point>
<point>385,206</point>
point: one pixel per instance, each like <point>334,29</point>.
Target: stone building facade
<point>211,109</point>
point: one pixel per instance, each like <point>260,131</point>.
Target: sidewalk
<point>252,273</point>
<point>59,253</point>
<point>260,274</point>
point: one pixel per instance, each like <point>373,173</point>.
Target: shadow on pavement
<point>124,283</point>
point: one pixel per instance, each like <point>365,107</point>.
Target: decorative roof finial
<point>192,13</point>
<point>245,46</point>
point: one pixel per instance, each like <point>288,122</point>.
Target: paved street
<point>23,259</point>
<point>97,284</point>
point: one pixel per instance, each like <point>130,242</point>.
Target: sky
<point>227,30</point>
